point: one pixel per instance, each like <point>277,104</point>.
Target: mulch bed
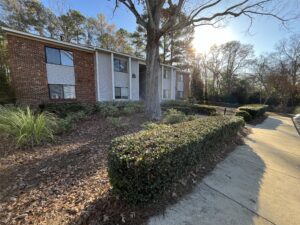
<point>66,182</point>
<point>56,182</point>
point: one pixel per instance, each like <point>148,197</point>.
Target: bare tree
<point>198,13</point>
<point>289,51</point>
<point>237,58</point>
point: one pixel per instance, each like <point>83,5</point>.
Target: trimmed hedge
<point>246,116</point>
<point>255,110</point>
<point>119,108</point>
<point>65,109</point>
<point>141,166</point>
<point>189,108</point>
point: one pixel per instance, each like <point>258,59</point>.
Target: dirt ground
<point>66,182</point>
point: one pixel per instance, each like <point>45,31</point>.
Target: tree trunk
<point>153,72</point>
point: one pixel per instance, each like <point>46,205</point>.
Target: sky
<point>264,33</point>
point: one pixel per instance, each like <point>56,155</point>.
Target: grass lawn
<point>66,182</point>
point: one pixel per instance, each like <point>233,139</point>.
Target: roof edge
<point>45,39</point>
<point>72,45</point>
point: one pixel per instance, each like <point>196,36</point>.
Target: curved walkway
<point>258,183</point>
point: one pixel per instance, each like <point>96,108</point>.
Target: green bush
<point>119,108</point>
<point>296,110</point>
<point>255,110</point>
<point>66,123</point>
<point>141,166</point>
<point>26,127</point>
<point>65,109</point>
<point>151,125</point>
<point>189,108</point>
<point>173,116</point>
<point>175,103</point>
<point>246,116</point>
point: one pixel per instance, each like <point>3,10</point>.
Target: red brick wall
<point>28,70</point>
<point>29,76</point>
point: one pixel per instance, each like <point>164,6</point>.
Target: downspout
<point>97,75</point>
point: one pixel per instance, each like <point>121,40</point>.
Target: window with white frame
<point>180,78</point>
<point>166,94</point>
<point>59,57</point>
<point>62,91</point>
<point>167,74</point>
<point>120,65</point>
<point>121,92</point>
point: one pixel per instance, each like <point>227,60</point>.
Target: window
<point>66,58</point>
<point>167,74</point>
<point>60,91</point>
<point>180,78</point>
<point>59,57</point>
<point>69,92</point>
<point>166,94</point>
<point>179,94</point>
<point>53,55</point>
<point>120,65</point>
<point>121,92</point>
<point>56,91</point>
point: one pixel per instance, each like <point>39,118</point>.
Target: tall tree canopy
<point>149,14</point>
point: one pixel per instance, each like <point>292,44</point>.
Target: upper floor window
<point>120,65</point>
<point>180,78</point>
<point>167,74</point>
<point>59,57</point>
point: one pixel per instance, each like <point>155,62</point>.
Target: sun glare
<point>207,36</point>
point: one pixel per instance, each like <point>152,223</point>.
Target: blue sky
<point>264,34</point>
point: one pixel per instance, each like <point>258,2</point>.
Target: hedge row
<point>246,116</point>
<point>254,110</point>
<point>141,166</point>
<point>189,108</point>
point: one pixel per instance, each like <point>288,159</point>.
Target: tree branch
<point>130,5</point>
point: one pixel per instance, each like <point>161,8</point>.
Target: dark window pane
<point>56,91</point>
<point>123,66</point>
<point>69,92</point>
<point>66,58</point>
<point>120,65</point>
<point>52,55</point>
<point>116,65</point>
<point>117,92</point>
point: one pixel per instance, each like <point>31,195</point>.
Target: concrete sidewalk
<point>258,183</point>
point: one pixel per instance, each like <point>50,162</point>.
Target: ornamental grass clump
<point>25,126</point>
<point>143,165</point>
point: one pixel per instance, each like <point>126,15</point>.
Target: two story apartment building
<point>46,70</point>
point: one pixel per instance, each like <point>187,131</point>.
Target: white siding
<point>105,76</point>
<point>173,84</point>
<point>59,74</point>
<point>135,90</point>
<point>121,79</point>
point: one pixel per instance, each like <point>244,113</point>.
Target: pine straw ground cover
<point>66,182</point>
